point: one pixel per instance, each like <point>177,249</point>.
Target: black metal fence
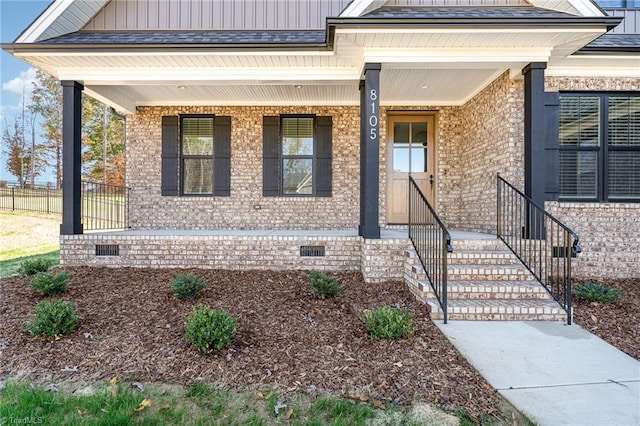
<point>432,242</point>
<point>45,199</point>
<point>104,207</point>
<point>542,243</point>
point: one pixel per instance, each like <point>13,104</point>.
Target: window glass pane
<point>418,160</point>
<point>297,176</point>
<point>197,136</point>
<point>198,176</point>
<point>578,174</point>
<point>419,133</point>
<point>624,121</point>
<point>580,120</point>
<point>401,133</point>
<point>624,174</point>
<point>297,136</point>
<point>401,160</point>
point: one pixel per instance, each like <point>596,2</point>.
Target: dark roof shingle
<point>190,37</point>
<point>464,12</point>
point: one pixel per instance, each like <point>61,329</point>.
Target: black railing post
<point>13,198</point>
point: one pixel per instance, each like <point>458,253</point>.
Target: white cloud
<point>22,83</point>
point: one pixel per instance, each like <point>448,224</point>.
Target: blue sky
<point>15,16</point>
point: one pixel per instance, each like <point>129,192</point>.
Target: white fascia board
<point>586,7</point>
<point>177,53</point>
<point>457,55</point>
<point>112,97</point>
<point>105,76</point>
<point>470,31</point>
<point>357,8</point>
<point>44,21</point>
<point>581,7</point>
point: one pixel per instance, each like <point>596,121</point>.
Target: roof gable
<point>67,16</point>
<point>60,17</point>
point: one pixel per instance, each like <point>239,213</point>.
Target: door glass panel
<point>419,134</point>
<point>401,133</point>
<point>418,160</point>
<point>401,160</point>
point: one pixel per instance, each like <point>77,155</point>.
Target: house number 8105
<point>373,117</point>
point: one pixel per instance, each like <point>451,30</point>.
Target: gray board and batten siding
<point>630,24</point>
<point>215,14</point>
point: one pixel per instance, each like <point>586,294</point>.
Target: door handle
<point>431,179</point>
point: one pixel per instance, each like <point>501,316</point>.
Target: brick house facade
<point>393,48</point>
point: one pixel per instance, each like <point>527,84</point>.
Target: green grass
<point>10,266</point>
<point>200,404</point>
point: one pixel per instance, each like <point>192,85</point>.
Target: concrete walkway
<point>554,373</point>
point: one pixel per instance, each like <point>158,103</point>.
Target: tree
<point>103,143</point>
<point>19,157</point>
<point>47,101</point>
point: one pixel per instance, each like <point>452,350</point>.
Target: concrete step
<point>496,290</point>
<point>499,310</point>
<point>482,257</point>
<point>513,272</point>
<point>471,244</point>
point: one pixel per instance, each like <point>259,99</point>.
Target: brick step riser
<point>487,276</point>
<point>501,317</point>
<point>492,260</point>
<point>492,314</point>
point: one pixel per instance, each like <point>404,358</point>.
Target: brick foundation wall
<point>379,260</point>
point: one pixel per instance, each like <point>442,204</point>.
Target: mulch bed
<point>284,338</point>
<point>617,323</point>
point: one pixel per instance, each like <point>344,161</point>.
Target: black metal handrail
<point>104,206</point>
<point>543,244</point>
<point>432,242</point>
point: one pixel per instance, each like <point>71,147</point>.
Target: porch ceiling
<point>398,86</point>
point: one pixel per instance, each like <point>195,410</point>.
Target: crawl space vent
<point>312,251</point>
<point>107,250</point>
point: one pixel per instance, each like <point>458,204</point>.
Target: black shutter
<point>170,156</point>
<point>270,156</point>
<point>552,145</point>
<point>222,156</point>
<point>323,156</point>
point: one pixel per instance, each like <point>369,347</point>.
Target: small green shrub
<point>388,323</point>
<point>209,329</point>
<point>324,286</point>
<point>33,266</point>
<point>49,284</point>
<point>187,286</point>
<point>595,292</point>
<point>52,318</point>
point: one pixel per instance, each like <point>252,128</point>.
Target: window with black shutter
<point>599,147</point>
<point>196,155</point>
<point>297,156</point>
